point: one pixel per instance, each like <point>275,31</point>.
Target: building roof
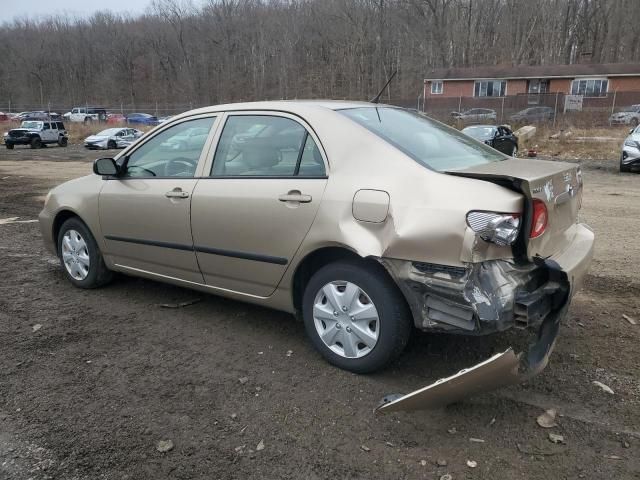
<point>535,71</point>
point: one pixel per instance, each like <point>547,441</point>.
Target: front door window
<point>173,152</point>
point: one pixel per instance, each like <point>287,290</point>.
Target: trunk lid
<point>557,184</point>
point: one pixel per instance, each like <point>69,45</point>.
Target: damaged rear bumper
<point>488,297</point>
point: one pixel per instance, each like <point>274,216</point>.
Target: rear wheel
<point>63,141</point>
<point>9,146</point>
<point>80,256</point>
<point>355,316</point>
<point>36,142</point>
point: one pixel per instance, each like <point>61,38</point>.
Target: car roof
<point>481,126</point>
<point>289,105</point>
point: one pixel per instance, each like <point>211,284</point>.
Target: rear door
<point>261,196</point>
<point>145,214</point>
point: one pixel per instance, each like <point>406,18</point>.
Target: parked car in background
<point>116,119</point>
<point>112,138</point>
<point>476,115</point>
<point>86,114</point>
<point>4,117</point>
<point>141,119</point>
<point>627,116</point>
<point>499,137</point>
<point>630,156</point>
<point>533,115</point>
<point>36,134</point>
<point>366,219</point>
<point>165,119</point>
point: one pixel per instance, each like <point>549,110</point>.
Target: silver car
<point>630,157</point>
<point>627,116</point>
<point>112,138</point>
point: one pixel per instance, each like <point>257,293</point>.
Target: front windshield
<point>430,143</point>
<point>479,133</point>
<point>108,132</point>
<point>31,124</point>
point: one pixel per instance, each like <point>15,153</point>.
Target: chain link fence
<point>560,110</point>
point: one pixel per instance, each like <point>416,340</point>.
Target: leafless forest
<point>227,50</point>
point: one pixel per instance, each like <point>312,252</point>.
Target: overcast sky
<point>34,8</point>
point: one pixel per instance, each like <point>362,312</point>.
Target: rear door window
<point>266,146</point>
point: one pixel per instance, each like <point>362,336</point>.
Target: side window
<point>60,125</point>
<point>171,153</point>
<point>311,163</point>
<point>259,145</point>
<point>74,110</point>
<point>45,126</point>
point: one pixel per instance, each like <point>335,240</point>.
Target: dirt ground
<point>109,373</point>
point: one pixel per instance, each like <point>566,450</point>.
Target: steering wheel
<point>180,166</point>
<point>153,174</point>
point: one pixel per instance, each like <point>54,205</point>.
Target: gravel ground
<point>91,381</point>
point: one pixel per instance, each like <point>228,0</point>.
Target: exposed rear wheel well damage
<point>318,259</point>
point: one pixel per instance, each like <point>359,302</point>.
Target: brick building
<point>589,80</point>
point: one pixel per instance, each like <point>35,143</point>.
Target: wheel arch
<point>322,256</point>
<point>59,219</point>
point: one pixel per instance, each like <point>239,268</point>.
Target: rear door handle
<point>295,196</point>
<point>177,193</point>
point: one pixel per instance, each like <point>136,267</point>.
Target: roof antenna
<point>376,99</point>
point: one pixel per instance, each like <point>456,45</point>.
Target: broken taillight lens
<point>499,228</point>
<point>540,218</point>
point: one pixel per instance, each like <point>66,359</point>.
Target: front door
<point>252,213</point>
<point>145,213</point>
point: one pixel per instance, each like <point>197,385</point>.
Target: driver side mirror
<point>106,166</point>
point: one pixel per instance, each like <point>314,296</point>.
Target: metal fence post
<point>555,111</point>
<point>613,104</point>
<point>460,103</point>
<point>502,111</point>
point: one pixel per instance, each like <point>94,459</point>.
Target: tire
<point>9,146</point>
<point>36,142</point>
<point>87,120</point>
<point>63,141</point>
<point>393,324</point>
<point>111,145</point>
<point>634,122</point>
<point>514,152</point>
<point>93,275</point>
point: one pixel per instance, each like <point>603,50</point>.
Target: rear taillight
<point>539,220</point>
<point>494,227</point>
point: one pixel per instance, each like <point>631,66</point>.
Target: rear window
<point>430,143</point>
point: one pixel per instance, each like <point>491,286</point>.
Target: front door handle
<point>295,196</point>
<point>177,193</point>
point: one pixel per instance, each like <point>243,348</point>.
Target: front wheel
<point>80,256</point>
<point>111,145</point>
<point>36,142</point>
<point>9,146</point>
<point>624,168</point>
<point>514,152</point>
<point>355,316</point>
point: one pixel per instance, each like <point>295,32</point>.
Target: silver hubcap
<point>346,319</point>
<point>75,255</point>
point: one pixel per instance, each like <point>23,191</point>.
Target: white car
<point>630,157</point>
<point>112,138</point>
<point>86,114</point>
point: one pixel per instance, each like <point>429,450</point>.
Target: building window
<point>436,87</point>
<point>538,85</point>
<point>490,88</point>
<point>590,87</point>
